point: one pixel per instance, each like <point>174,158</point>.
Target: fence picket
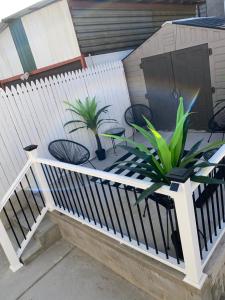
<point>35,113</point>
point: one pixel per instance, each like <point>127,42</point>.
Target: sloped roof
<point>207,22</point>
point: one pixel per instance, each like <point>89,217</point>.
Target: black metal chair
<point>69,152</point>
<point>134,115</point>
<point>217,122</point>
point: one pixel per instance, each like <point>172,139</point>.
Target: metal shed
<point>184,56</point>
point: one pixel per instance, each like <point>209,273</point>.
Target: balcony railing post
<point>188,234</point>
<point>32,154</point>
<point>7,246</point>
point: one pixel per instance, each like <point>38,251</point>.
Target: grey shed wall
<point>103,27</point>
<point>173,37</point>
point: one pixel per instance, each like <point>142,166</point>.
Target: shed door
<point>160,84</point>
<point>190,72</point>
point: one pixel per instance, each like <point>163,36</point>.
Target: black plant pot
<point>100,154</point>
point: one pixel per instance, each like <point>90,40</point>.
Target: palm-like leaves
<point>89,116</point>
<point>168,155</point>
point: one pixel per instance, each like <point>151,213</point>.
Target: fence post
<point>7,246</point>
<point>188,233</point>
<point>32,154</point>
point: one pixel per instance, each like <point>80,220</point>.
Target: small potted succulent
<point>171,154</point>
<point>90,118</point>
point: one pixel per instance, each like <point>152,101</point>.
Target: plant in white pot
<point>90,117</point>
<point>170,154</point>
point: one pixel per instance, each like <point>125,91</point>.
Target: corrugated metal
<point>102,28</point>
<point>22,45</point>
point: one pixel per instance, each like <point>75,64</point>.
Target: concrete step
<point>34,248</point>
<point>46,235</point>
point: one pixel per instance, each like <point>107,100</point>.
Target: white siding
<point>51,34</point>
<point>9,60</point>
<point>173,37</point>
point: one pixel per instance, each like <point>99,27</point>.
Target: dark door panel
<point>160,85</point>
<point>179,73</point>
<point>192,74</point>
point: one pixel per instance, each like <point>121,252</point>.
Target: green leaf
<point>149,191</point>
<point>163,150</point>
<point>73,121</point>
<point>149,137</point>
<point>207,180</point>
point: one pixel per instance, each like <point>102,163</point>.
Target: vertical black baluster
<point>68,188</point>
<point>108,208</point>
<point>35,201</point>
<point>161,228</point>
<point>141,220</point>
<point>102,209</point>
<point>23,212</point>
<point>203,228</point>
<point>58,182</point>
<point>17,219</point>
<point>55,186</point>
<point>218,208</point>
<point>88,199</point>
<point>39,191</point>
<point>222,203</point>
<point>151,225</point>
<point>31,211</point>
<point>172,228</point>
<point>67,198</point>
<point>78,199</point>
<point>131,214</point>
<point>197,225</point>
<point>82,196</point>
<point>213,212</point>
<point>94,201</point>
<point>208,218</point>
<point>71,192</point>
<point>11,226</point>
<point>124,216</point>
<point>115,209</point>
<point>51,185</point>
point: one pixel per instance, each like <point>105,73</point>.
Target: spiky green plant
<point>170,154</point>
<point>90,116</point>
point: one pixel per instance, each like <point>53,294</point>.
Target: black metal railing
<point>22,209</point>
<point>112,206</point>
<point>209,205</point>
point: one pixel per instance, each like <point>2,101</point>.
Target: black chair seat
<point>69,152</point>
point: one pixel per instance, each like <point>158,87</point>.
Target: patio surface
<point>65,272</point>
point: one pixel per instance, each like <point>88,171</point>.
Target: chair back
<point>134,114</point>
<point>69,151</point>
<point>217,122</point>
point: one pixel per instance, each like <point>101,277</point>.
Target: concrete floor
<point>65,272</point>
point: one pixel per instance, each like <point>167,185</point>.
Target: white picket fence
<point>35,113</point>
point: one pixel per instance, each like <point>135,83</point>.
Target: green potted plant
<point>90,118</point>
<point>171,154</point>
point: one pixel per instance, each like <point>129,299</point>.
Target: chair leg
<point>167,229</point>
<point>133,133</point>
<point>210,137</point>
<point>91,164</point>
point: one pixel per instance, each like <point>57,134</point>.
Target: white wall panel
<point>51,34</point>
<point>9,60</point>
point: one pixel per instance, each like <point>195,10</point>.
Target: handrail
<point>137,183</point>
<point>15,184</point>
<point>216,158</point>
